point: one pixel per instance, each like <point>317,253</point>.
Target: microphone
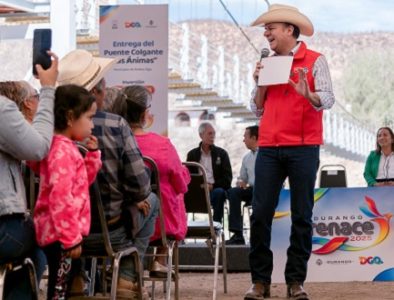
<point>264,53</point>
<point>258,112</point>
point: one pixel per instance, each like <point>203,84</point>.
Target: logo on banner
<point>114,24</point>
<point>130,24</point>
<point>348,233</point>
<point>151,24</point>
<point>370,260</point>
<point>339,262</point>
<point>319,262</point>
<point>319,193</point>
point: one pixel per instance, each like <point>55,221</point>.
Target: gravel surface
<point>199,286</point>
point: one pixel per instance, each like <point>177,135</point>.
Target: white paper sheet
<point>276,70</point>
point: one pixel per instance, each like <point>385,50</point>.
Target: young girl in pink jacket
<point>62,211</point>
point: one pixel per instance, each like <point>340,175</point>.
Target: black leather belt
<point>12,216</point>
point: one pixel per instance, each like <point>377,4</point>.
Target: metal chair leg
<point>139,270</point>
<point>115,276</point>
<point>170,248</point>
<point>216,267</point>
<point>153,290</point>
<point>32,276</point>
<point>176,263</point>
<point>93,269</point>
<point>3,272</point>
<point>224,263</point>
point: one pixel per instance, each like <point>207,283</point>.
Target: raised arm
<point>27,141</point>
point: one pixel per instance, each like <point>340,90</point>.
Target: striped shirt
<point>323,85</point>
<point>123,178</point>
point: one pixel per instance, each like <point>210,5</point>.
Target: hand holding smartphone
<point>42,42</point>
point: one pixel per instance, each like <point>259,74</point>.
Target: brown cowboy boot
<point>296,291</point>
<point>258,291</point>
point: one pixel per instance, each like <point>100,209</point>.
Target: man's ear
<point>290,29</point>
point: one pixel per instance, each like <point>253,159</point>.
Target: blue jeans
<point>273,165</point>
<point>235,197</point>
<point>218,197</point>
<point>18,241</point>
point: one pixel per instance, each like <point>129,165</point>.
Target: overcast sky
<point>326,15</point>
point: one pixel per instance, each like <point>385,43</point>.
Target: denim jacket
<point>20,140</point>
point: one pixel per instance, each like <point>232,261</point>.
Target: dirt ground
<point>198,286</point>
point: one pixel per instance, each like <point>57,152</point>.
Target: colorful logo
<point>343,243</point>
<point>370,260</point>
<point>129,24</point>
<point>107,12</point>
<point>319,193</point>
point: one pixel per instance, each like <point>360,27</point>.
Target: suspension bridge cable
<point>239,27</point>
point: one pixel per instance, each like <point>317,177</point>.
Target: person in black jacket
<point>217,166</point>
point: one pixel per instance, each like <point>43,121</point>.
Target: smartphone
<point>42,42</point>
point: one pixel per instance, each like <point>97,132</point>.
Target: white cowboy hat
<point>285,14</point>
<point>80,67</point>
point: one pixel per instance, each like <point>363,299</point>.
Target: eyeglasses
<point>35,96</point>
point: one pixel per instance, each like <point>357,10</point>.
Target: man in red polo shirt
<point>290,135</point>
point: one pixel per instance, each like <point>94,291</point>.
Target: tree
<point>369,86</point>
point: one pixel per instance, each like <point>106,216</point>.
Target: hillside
<point>345,54</point>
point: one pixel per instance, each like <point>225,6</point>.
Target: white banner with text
<point>138,36</point>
